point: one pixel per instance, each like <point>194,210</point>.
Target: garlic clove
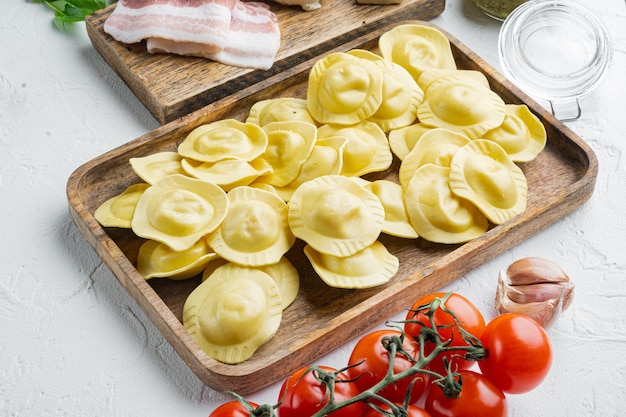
<point>533,270</point>
<point>536,287</point>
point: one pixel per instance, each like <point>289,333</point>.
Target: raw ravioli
<point>179,210</point>
<point>521,134</point>
<point>157,260</point>
<point>224,139</point>
<point>366,150</point>
<point>436,213</point>
<point>119,211</point>
<point>344,89</point>
<point>255,230</point>
<point>417,48</point>
<point>370,267</point>
<point>335,215</point>
<point>483,173</point>
<point>155,167</point>
<point>233,312</point>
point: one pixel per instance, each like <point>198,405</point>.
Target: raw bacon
<point>254,37</point>
<point>233,32</point>
<point>199,21</point>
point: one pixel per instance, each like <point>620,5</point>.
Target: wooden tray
<point>322,318</point>
<point>171,86</point>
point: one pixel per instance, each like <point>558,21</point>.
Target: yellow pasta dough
<point>344,89</point>
<point>179,210</point>
<point>366,149</point>
<point>436,213</point>
<point>119,211</point>
<point>369,267</point>
<point>233,312</point>
<point>462,105</point>
<point>521,134</point>
<point>281,109</point>
<point>437,146</point>
<point>157,260</point>
<point>335,215</point>
<point>417,48</point>
<point>289,145</point>
<point>156,166</point>
<point>224,139</point>
<point>401,94</point>
<point>482,172</point>
<point>255,230</point>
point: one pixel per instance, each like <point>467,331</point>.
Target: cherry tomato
<point>302,396</point>
<point>232,409</point>
<point>369,362</point>
<point>478,397</point>
<point>519,353</point>
<point>469,317</point>
<point>412,411</point>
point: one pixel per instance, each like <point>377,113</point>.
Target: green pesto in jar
<point>498,9</point>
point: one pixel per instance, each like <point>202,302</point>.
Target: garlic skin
<point>536,287</point>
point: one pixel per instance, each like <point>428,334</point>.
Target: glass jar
<point>556,51</point>
<point>498,9</point>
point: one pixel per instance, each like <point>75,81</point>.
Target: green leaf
<point>68,11</point>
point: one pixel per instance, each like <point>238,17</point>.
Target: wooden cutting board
<point>172,86</point>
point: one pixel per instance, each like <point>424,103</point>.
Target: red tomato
<point>302,396</point>
<point>369,362</point>
<point>478,397</point>
<point>469,317</point>
<point>232,409</point>
<point>412,411</point>
<point>519,353</point>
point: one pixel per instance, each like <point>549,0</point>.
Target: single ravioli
<point>155,167</point>
<point>417,48</point>
<point>224,139</point>
<point>179,210</point>
<point>366,150</point>
<point>436,213</point>
<point>429,76</point>
<point>283,272</point>
<point>391,196</point>
<point>401,94</point>
<point>157,260</point>
<point>462,105</point>
<point>119,211</point>
<point>344,89</point>
<point>335,215</point>
<point>402,140</point>
<point>483,173</point>
<point>227,173</point>
<point>521,134</point>
<point>255,230</point>
<point>233,312</point>
<point>289,145</point>
<point>436,146</point>
<point>372,266</point>
<point>326,158</point>
<point>282,109</point>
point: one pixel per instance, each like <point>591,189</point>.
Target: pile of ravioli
<point>231,201</point>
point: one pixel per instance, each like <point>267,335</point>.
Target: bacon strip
<point>254,37</point>
<point>199,21</point>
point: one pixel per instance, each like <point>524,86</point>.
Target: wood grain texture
<point>171,86</point>
<point>322,318</point>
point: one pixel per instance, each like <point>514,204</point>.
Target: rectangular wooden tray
<point>171,86</point>
<point>322,318</point>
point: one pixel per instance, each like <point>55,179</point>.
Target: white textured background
<point>73,343</point>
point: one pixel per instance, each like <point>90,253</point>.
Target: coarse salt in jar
<point>555,51</point>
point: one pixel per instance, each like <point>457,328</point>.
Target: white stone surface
<point>74,343</point>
